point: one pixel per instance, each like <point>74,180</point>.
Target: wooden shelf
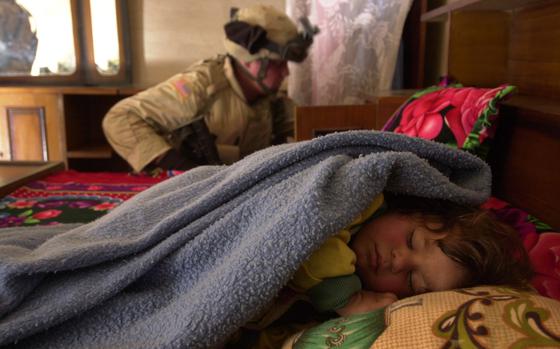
<point>440,13</point>
<point>91,152</point>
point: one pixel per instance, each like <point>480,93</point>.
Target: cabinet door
<point>31,127</point>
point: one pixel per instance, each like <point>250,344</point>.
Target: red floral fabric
<point>544,252</point>
<point>462,117</point>
<point>73,197</point>
<point>540,241</point>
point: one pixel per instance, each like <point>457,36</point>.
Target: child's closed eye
<point>409,240</point>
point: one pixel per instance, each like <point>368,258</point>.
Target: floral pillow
<point>544,253</point>
<point>461,117</point>
<point>541,242</point>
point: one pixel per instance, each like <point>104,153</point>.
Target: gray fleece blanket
<point>187,262</point>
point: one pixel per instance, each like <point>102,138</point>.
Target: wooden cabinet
<point>57,124</point>
<point>31,126</point>
<point>486,43</point>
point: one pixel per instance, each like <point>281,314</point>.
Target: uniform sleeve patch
<point>182,87</point>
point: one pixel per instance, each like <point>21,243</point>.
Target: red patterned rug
<point>73,197</point>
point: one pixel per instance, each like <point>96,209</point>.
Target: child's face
<point>396,253</point>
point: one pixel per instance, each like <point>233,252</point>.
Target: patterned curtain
<point>353,56</point>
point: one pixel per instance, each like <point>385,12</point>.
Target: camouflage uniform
<point>145,126</point>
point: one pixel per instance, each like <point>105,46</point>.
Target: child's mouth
<point>374,258</point>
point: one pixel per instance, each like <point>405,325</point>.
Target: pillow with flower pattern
<point>461,117</point>
<point>541,241</point>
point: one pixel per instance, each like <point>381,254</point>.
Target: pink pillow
<point>544,253</point>
<point>541,243</point>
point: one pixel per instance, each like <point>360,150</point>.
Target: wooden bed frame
<point>525,161</point>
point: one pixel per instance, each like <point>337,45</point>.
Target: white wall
<point>168,35</point>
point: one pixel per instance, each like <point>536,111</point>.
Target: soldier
<point>219,109</point>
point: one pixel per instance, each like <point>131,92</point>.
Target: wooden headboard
<point>525,159</point>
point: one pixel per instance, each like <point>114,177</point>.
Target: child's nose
<point>400,261</point>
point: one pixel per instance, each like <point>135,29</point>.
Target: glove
<point>174,160</point>
<point>199,144</point>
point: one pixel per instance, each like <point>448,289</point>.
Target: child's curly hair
<point>490,250</point>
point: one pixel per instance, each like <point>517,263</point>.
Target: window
<point>81,42</point>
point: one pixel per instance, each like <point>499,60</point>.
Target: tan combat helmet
<point>263,32</point>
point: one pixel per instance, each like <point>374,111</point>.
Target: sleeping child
<point>407,246</point>
<point>398,247</point>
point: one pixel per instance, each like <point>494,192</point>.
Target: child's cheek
<point>395,239</point>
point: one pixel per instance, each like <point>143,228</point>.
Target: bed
<point>526,184</point>
<point>481,317</point>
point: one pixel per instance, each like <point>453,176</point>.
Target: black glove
<point>193,145</point>
<point>199,144</point>
<point>174,160</point>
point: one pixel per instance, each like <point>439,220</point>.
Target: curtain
<point>353,56</point>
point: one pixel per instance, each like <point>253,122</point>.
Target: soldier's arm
<point>137,126</point>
